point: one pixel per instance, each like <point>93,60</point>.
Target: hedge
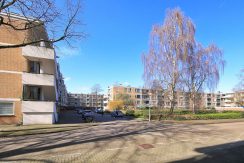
<point>187,115</point>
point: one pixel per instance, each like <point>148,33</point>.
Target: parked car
<point>87,115</point>
<point>99,111</point>
<point>117,113</point>
<point>80,111</point>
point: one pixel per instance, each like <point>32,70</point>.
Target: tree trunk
<point>193,104</point>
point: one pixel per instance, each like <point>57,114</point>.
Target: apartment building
<point>143,97</point>
<point>155,98</point>
<point>105,102</point>
<point>85,100</point>
<point>234,99</point>
<point>62,90</point>
<point>28,91</point>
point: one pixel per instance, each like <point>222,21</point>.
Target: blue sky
<point>119,33</point>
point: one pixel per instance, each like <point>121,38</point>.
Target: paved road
<point>130,141</point>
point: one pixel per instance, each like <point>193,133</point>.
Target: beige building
<point>155,98</point>
<point>28,92</point>
<point>143,97</point>
<point>85,100</point>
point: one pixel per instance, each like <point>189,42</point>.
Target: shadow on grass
<point>230,152</point>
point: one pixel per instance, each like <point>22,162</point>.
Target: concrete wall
<point>38,79</point>
<point>37,118</point>
<point>38,107</point>
<point>47,67</point>
<point>38,52</point>
<point>49,93</point>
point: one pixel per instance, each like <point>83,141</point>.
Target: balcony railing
<point>38,52</point>
<point>38,106</point>
<point>38,79</point>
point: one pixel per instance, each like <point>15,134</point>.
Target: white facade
<point>61,89</point>
<point>39,86</point>
<point>38,79</point>
<point>85,100</point>
<point>38,52</point>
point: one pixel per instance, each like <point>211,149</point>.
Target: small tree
<point>61,23</point>
<point>127,100</point>
<point>96,89</point>
<point>239,90</point>
<point>117,104</point>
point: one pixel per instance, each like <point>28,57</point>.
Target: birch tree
<point>239,90</point>
<point>179,62</point>
<point>167,52</point>
<point>202,70</point>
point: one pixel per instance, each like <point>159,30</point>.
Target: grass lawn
<point>187,115</point>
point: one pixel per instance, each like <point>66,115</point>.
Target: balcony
<point>38,107</point>
<point>38,52</point>
<point>38,79</point>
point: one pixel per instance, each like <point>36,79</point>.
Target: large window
<point>32,93</point>
<point>6,108</point>
<point>34,67</point>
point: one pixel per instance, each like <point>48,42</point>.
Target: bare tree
<point>178,62</point>
<point>61,23</point>
<point>239,90</point>
<point>167,51</point>
<point>202,70</point>
<point>96,89</point>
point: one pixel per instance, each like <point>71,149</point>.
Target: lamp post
<point>149,114</point>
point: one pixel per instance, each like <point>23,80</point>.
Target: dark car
<point>88,115</point>
<point>117,113</point>
<point>99,111</point>
<point>80,111</point>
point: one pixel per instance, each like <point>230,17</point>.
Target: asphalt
<point>130,141</point>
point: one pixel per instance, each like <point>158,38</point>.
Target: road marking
<point>111,149</point>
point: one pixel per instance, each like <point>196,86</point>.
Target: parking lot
<point>71,116</point>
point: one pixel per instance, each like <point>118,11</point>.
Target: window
<point>32,93</point>
<point>6,108</point>
<point>34,67</point>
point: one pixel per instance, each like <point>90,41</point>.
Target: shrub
<point>218,116</point>
<point>206,111</point>
<point>130,113</point>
